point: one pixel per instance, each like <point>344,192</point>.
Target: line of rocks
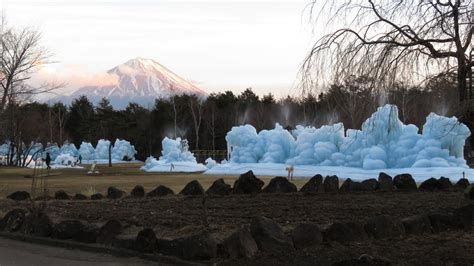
<point>248,183</point>
<point>263,234</point>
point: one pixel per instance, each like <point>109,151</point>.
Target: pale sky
<point>216,44</point>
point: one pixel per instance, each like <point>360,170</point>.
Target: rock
<point>138,192</point>
<point>160,191</point>
<point>88,234</point>
<point>441,222</point>
<point>345,232</point>
<point>404,182</point>
<point>240,245</point>
<point>315,184</point>
<point>97,196</point>
<point>247,184</point>
<point>68,229</point>
<point>464,217</point>
<point>125,241</point>
<point>114,193</point>
<point>201,246</point>
<point>369,185</point>
<point>331,183</point>
<point>417,225</point>
<point>444,183</point>
<point>269,236</point>
<point>385,182</point>
<point>350,186</point>
<point>433,184</point>
<point>219,187</point>
<point>469,192</point>
<point>109,231</point>
<point>79,197</point>
<point>463,183</point>
<point>380,227</point>
<point>280,185</point>
<point>305,235</point>
<point>37,224</point>
<point>43,198</point>
<point>13,220</point>
<point>192,188</point>
<point>19,195</point>
<point>430,184</point>
<point>146,240</point>
<point>61,195</point>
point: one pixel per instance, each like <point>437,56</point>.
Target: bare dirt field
<point>175,216</point>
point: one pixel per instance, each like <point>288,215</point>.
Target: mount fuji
<point>138,80</point>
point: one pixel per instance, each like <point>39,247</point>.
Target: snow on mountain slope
<point>141,81</point>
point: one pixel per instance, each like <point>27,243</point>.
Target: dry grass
<point>123,176</point>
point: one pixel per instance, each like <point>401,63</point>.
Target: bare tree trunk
<point>110,154</point>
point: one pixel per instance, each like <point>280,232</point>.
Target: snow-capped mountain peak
<point>139,80</point>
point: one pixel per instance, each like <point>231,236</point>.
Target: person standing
<point>48,161</point>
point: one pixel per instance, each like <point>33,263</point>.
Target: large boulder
<point>240,245</point>
<point>369,185</point>
<point>200,246</point>
<point>385,182</point>
<point>109,231</point>
<point>160,191</point>
<point>146,240</point>
<point>305,235</point>
<point>384,227</point>
<point>138,192</point>
<point>61,195</point>
<point>68,229</point>
<point>315,184</point>
<point>13,220</point>
<point>444,183</point>
<point>192,188</point>
<point>404,182</point>
<point>269,236</point>
<point>345,232</point>
<point>79,197</point>
<point>125,241</point>
<point>463,217</point>
<point>88,234</point>
<point>280,185</point>
<point>433,184</point>
<point>19,195</point>
<point>350,186</point>
<point>469,192</point>
<point>363,260</point>
<point>37,224</point>
<point>441,222</point>
<point>97,196</point>
<point>219,187</point>
<point>463,183</point>
<point>247,184</point>
<point>417,225</point>
<point>331,183</point>
<point>115,193</point>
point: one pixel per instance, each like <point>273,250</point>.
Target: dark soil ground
<point>175,216</point>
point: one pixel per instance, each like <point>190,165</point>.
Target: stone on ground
<point>240,245</point>
<point>200,246</point>
<point>67,229</point>
<point>369,185</point>
<point>138,192</point>
<point>19,195</point>
<point>97,196</point>
<point>109,231</point>
<point>115,193</point>
<point>385,182</point>
<point>382,226</point>
<point>269,236</point>
<point>13,220</point>
<point>247,183</point>
<point>331,183</point>
<point>79,197</point>
<point>192,188</point>
<point>305,235</point>
<point>469,192</point>
<point>219,187</point>
<point>345,232</point>
<point>417,225</point>
<point>146,240</point>
<point>280,185</point>
<point>61,195</point>
<point>160,191</point>
<point>315,184</point>
<point>404,182</point>
<point>37,224</point>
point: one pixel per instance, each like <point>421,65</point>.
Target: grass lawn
<point>122,176</point>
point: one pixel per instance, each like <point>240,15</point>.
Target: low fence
<point>217,155</point>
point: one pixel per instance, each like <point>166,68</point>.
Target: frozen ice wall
<point>69,148</point>
<point>4,148</point>
<point>65,159</point>
<point>102,149</point>
<point>123,151</point>
<point>383,142</point>
<point>176,150</point>
<point>53,150</point>
<point>87,151</point>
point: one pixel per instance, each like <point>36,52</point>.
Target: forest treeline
<point>205,121</point>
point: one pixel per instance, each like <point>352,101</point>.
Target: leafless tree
<point>20,55</point>
<point>391,42</point>
<point>196,104</point>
